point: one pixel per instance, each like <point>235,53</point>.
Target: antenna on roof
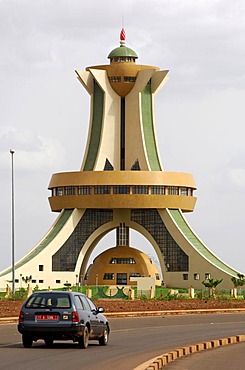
<point>122,33</point>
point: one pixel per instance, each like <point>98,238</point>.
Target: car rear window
<point>53,300</point>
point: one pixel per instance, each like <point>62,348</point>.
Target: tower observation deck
<point>122,185</point>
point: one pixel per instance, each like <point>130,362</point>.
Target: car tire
<point>83,340</point>
<point>49,342</point>
<point>27,341</point>
<point>105,337</point>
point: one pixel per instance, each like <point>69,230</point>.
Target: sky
<point>200,112</point>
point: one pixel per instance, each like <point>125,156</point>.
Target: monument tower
<point>122,185</point>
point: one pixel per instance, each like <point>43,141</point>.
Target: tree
<point>212,284</point>
<point>238,281</point>
<point>27,279</point>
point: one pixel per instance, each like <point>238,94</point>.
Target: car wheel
<point>105,337</point>
<point>49,342</point>
<point>27,341</point>
<point>83,341</point>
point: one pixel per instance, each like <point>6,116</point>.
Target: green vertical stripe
<point>58,225</point>
<point>98,103</point>
<point>148,128</point>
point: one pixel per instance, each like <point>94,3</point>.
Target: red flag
<point>122,35</point>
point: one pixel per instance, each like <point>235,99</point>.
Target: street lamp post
<point>13,221</point>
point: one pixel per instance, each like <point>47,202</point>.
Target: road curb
<point>6,320</point>
<point>159,362</point>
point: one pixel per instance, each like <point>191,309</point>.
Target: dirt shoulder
<point>12,308</point>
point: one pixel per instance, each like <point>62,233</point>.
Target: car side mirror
<point>100,310</point>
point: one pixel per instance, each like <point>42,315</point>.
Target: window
<point>41,281</point>
<point>129,78</point>
<point>121,189</point>
<point>109,276</point>
<point>190,192</point>
<point>122,279</point>
<point>207,276</point>
<point>134,274</point>
<point>115,79</point>
<point>185,276</point>
<point>140,189</point>
<point>79,303</point>
<point>123,234</point>
<point>108,166</point>
<point>40,267</point>
<point>173,190</point>
<point>157,189</point>
<point>84,190</point>
<point>183,191</point>
<point>85,303</point>
<point>58,281</point>
<point>91,304</point>
<point>122,261</point>
<point>34,281</point>
<point>69,190</point>
<point>59,192</point>
<point>102,189</point>
<point>196,276</point>
<point>53,300</point>
<point>136,166</point>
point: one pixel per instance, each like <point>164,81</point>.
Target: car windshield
<point>48,300</point>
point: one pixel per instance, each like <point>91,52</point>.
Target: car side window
<point>91,305</point>
<point>79,303</point>
<point>85,303</point>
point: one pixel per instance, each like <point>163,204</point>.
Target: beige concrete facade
<point>121,181</point>
<point>119,265</point>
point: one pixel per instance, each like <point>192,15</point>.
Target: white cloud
<point>32,152</point>
<point>237,177</point>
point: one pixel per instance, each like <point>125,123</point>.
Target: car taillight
<point>75,317</point>
<point>21,316</point>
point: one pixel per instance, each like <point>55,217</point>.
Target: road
<point>132,342</point>
<point>225,358</point>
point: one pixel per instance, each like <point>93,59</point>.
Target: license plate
<point>47,317</point>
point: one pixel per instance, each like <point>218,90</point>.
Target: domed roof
<point>122,50</point>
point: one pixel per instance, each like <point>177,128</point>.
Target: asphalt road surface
<point>222,358</point>
<point>132,342</point>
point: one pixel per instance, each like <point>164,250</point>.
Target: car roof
<point>58,292</point>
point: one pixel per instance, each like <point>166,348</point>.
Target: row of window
<point>111,275</point>
<point>122,189</point>
<point>119,79</point>
<point>120,261</point>
<point>122,59</point>
<point>196,276</point>
<point>35,281</point>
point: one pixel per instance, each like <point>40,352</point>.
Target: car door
<point>92,316</point>
<point>97,317</point>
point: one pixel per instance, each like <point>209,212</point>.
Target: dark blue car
<point>60,315</point>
